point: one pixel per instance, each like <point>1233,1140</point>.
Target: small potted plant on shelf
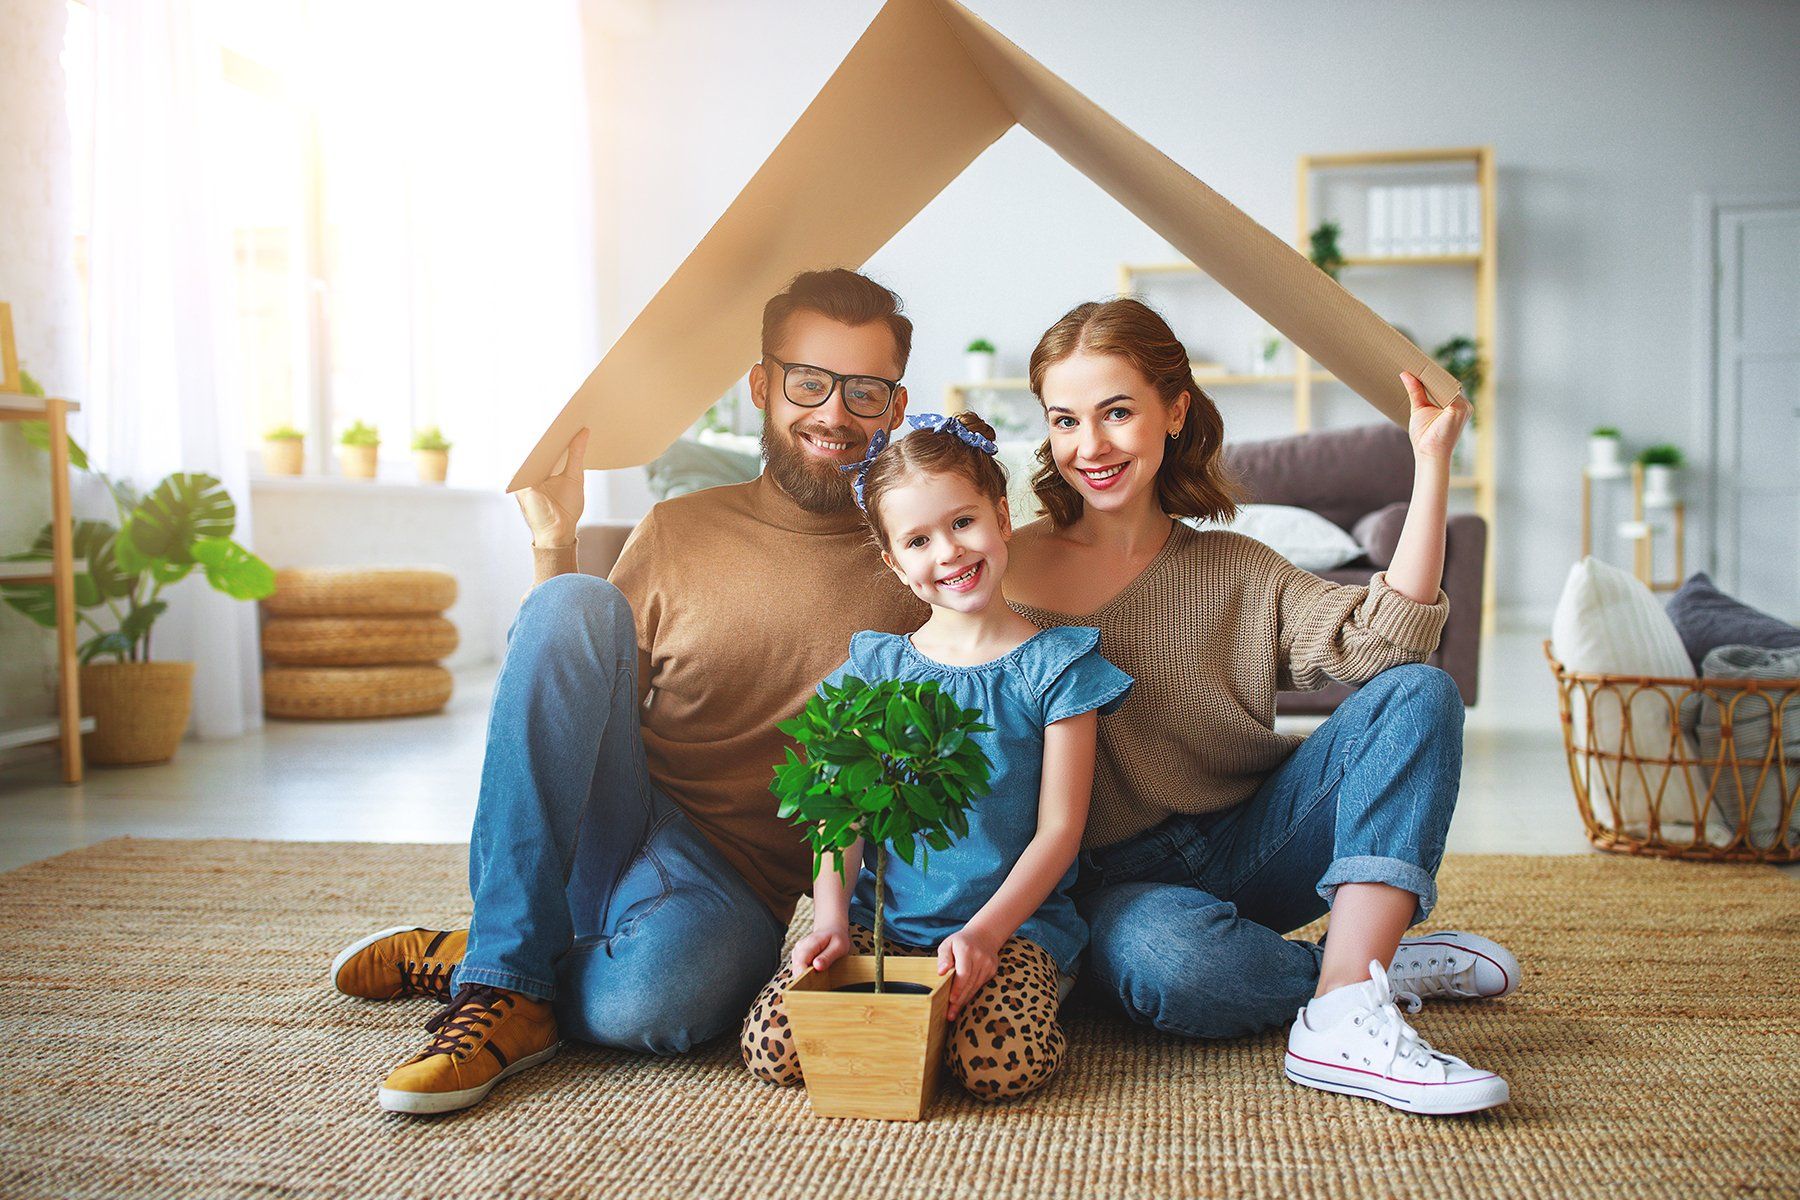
<point>1603,453</point>
<point>978,361</point>
<point>284,451</point>
<point>1325,253</point>
<point>431,454</point>
<point>1660,462</point>
<point>1461,356</point>
<point>359,447</point>
<point>140,707</point>
<point>893,765</point>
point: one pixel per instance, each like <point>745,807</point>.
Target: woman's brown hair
<point>1192,481</point>
<point>931,452</point>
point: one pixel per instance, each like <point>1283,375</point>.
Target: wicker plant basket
<point>336,693</point>
<point>362,591</point>
<point>356,641</point>
<point>140,710</point>
<point>1642,784</point>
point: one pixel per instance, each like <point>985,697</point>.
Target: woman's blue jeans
<point>591,888</point>
<point>1187,918</point>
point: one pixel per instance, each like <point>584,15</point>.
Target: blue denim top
<point>1055,674</point>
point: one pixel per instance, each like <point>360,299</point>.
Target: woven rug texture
<point>168,1031</point>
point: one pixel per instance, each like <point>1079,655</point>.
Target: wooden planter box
<point>868,1055</point>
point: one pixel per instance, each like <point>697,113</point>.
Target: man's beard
<point>818,487</point>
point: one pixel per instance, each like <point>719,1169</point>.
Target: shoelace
<point>464,1022</point>
<point>1383,1021</point>
<point>426,978</point>
<point>1427,979</point>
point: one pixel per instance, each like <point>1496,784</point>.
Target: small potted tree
<point>359,447</point>
<point>894,765</point>
<point>1603,453</point>
<point>978,361</point>
<point>1461,356</point>
<point>284,450</point>
<point>140,707</point>
<point>1660,462</point>
<point>431,454</point>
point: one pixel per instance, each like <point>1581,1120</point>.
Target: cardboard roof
<point>924,91</point>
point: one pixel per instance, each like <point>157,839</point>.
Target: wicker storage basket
<point>325,693</point>
<point>1650,790</point>
<point>356,641</point>
<point>362,591</point>
<point>140,710</point>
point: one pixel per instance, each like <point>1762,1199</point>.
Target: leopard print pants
<point>1006,1042</point>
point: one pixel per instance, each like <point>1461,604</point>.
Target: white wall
<point>1606,117</point>
<point>37,277</point>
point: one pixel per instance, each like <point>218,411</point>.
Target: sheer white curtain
<point>159,311</point>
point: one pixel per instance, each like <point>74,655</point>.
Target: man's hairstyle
<point>842,295</point>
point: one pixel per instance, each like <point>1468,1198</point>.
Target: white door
<point>1756,398</point>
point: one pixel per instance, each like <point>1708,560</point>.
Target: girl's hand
<point>1433,430</point>
<point>974,956</point>
<point>820,948</point>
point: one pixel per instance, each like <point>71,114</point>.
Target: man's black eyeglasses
<point>810,386</point>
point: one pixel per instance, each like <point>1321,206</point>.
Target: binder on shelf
<point>1381,234</point>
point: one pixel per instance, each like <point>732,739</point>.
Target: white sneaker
<point>1454,966</point>
<point>1371,1051</point>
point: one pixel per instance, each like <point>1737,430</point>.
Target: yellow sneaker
<point>403,961</point>
<point>483,1035</point>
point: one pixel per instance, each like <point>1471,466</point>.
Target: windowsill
<point>340,484</point>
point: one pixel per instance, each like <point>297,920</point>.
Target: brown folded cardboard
<point>924,91</point>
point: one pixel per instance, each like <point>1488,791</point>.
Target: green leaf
<point>234,570</point>
<point>876,799</point>
<point>903,845</point>
<point>37,433</point>
<point>105,643</point>
<point>185,506</point>
<point>137,622</point>
<point>859,775</point>
<point>35,600</point>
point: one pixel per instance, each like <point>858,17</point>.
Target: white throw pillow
<point>1608,623</point>
<point>1299,535</point>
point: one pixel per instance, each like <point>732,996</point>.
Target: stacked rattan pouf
<point>357,642</point>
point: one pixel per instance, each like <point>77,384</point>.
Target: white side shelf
<point>31,732</point>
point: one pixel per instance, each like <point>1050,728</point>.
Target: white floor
<point>415,779</point>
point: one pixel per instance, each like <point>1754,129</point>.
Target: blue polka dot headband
<point>927,422</point>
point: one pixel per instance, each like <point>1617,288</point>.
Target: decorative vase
<point>1603,457</point>
<point>286,456</point>
<point>433,465</point>
<point>1659,485</point>
<point>358,461</point>
<point>140,710</point>
<point>978,366</point>
<point>865,1054</point>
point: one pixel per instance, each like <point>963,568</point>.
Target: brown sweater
<point>744,602</point>
<point>1210,630</point>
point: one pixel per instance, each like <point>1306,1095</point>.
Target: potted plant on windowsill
<point>892,764</point>
<point>1660,462</point>
<point>359,448</point>
<point>978,361</point>
<point>1461,356</point>
<point>1325,252</point>
<point>140,707</point>
<point>431,454</point>
<point>284,451</point>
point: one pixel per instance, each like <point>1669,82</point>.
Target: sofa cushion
<point>1379,532</point>
<point>1338,473</point>
<point>1302,537</point>
<point>1707,618</point>
<point>689,466</point>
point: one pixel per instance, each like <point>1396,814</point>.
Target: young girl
<point>995,906</point>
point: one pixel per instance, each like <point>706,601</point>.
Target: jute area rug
<point>167,1031</point>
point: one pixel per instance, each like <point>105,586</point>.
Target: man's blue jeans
<point>1187,918</point>
<point>591,888</point>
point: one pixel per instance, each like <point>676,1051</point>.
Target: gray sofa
<point>1343,475</point>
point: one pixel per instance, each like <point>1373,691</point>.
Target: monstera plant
<point>123,567</point>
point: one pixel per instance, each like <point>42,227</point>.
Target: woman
<point>1210,834</point>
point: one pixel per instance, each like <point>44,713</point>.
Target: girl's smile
<point>946,541</point>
